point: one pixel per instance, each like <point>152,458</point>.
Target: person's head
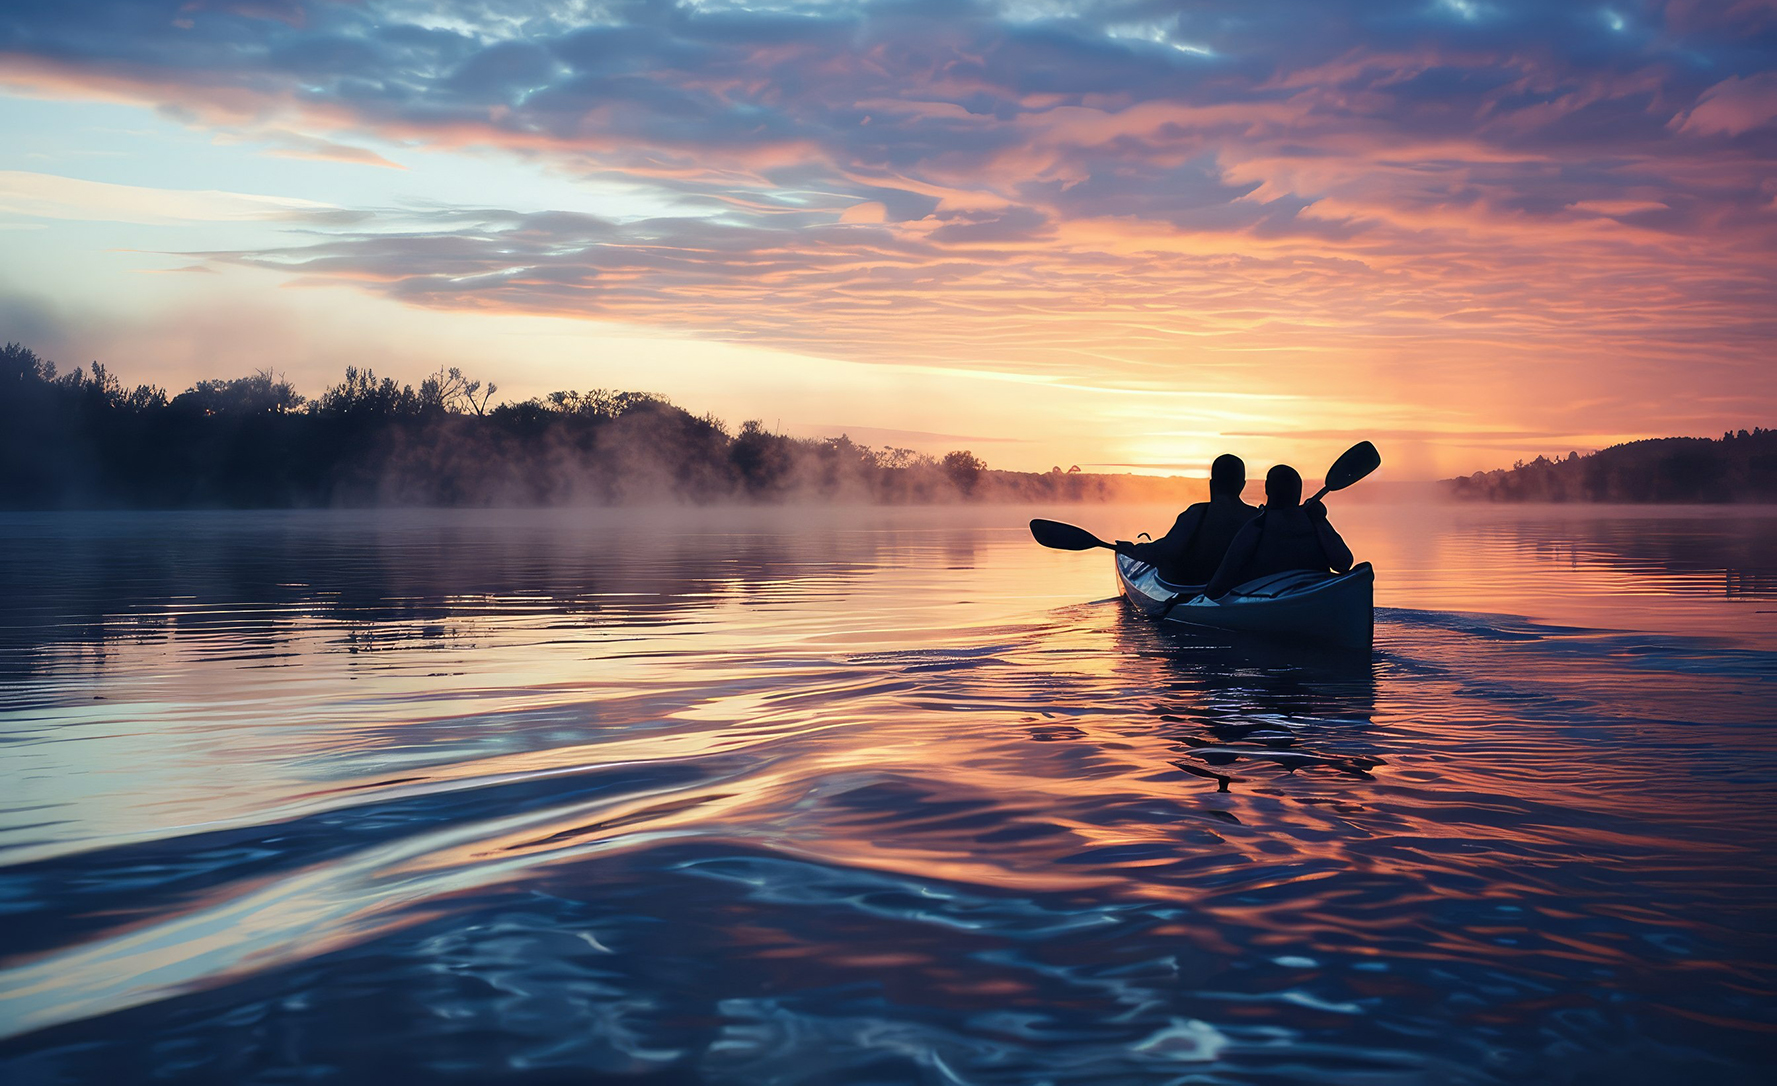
<point>1283,486</point>
<point>1227,475</point>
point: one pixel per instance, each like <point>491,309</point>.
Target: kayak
<point>1331,608</point>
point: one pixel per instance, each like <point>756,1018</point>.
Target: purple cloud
<point>1032,184</point>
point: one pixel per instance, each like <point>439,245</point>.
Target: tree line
<point>82,439</point>
<point>1740,467</point>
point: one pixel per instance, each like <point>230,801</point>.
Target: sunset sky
<point>1127,235</point>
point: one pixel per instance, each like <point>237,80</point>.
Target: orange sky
<point>1123,235</point>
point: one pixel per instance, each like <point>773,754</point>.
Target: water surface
<point>877,796</point>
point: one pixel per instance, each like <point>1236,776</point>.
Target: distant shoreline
<point>1739,468</point>
<point>82,440</point>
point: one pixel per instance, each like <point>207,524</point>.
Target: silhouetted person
<point>1193,549</point>
<point>1286,535</point>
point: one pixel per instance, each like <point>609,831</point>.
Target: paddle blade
<point>1356,462</point>
<point>1064,537</point>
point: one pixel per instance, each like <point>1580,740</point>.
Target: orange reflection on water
<point>918,716</point>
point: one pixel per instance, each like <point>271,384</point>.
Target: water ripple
<point>327,798</point>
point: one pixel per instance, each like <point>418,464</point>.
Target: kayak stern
<point>1305,605</point>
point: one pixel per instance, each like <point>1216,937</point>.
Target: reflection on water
<point>878,796</point>
<point>1694,551</point>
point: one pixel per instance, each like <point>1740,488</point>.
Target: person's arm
<point>1338,554</point>
<point>1239,553</point>
<point>1169,547</point>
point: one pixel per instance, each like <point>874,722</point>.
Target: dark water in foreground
<point>878,797</point>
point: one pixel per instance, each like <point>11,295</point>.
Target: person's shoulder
<point>1198,509</point>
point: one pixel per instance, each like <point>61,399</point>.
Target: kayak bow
<point>1332,608</point>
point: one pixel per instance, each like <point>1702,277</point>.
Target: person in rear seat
<point>1287,534</point>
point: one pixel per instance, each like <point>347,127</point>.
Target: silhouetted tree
<point>964,469</point>
<point>82,439</point>
<point>1741,467</point>
<point>262,393</point>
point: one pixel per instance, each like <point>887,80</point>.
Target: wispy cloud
<point>42,195</point>
<point>1110,188</point>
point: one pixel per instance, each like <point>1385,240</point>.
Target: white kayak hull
<point>1327,608</point>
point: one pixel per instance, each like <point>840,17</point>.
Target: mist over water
<point>879,795</point>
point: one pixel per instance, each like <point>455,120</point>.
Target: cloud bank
<point>1112,190</point>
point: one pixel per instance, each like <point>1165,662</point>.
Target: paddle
<point>1353,464</point>
<point>1066,537</point>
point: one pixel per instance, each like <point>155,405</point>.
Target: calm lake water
<point>878,796</point>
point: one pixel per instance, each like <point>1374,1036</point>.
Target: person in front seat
<point>1193,549</point>
<point>1287,534</point>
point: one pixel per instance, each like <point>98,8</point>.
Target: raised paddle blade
<point>1064,537</point>
<point>1356,462</point>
